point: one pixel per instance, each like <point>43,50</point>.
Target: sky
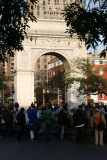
<point>99,49</point>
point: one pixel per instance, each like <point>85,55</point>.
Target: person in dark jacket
<point>21,122</point>
<point>80,122</point>
<point>8,118</point>
<point>16,106</point>
<point>1,114</point>
<point>62,120</point>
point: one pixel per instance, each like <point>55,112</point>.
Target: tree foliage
<point>5,85</point>
<point>14,18</point>
<point>88,22</point>
<point>90,82</point>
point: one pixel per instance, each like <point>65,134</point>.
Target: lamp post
<point>66,90</point>
<point>12,93</point>
<point>43,81</point>
<point>3,92</point>
<point>3,95</point>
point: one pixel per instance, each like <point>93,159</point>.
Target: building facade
<point>41,69</point>
<point>51,9</point>
<point>56,81</point>
<point>100,66</point>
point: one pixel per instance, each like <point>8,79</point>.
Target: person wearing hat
<point>94,122</point>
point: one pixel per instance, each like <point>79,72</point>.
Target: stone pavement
<point>10,149</point>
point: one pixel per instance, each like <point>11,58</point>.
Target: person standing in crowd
<point>94,122</point>
<point>48,117</point>
<point>80,122</point>
<point>1,114</point>
<point>16,106</point>
<point>62,120</point>
<point>21,122</point>
<point>8,118</point>
<point>102,109</point>
<point>32,115</point>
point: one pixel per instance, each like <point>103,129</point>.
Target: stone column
<point>24,78</point>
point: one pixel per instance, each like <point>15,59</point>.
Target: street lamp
<point>3,92</point>
<point>12,92</point>
<point>43,81</point>
<point>66,90</point>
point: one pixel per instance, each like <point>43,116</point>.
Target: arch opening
<point>49,83</point>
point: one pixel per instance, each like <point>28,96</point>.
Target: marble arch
<point>42,39</point>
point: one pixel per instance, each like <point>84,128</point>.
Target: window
<point>43,2</point>
<point>101,71</point>
<point>38,13</point>
<point>57,10</point>
<point>101,96</point>
<point>31,7</point>
<point>12,68</point>
<point>93,62</point>
<point>48,1</point>
<point>45,66</point>
<point>81,1</point>
<point>50,9</point>
<point>53,73</point>
<point>101,62</point>
<point>38,7</point>
<point>43,8</point>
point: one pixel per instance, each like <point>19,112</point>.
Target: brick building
<point>100,66</point>
<point>55,80</point>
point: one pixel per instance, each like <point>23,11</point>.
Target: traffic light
<point>44,91</point>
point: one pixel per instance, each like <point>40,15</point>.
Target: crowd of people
<point>82,118</point>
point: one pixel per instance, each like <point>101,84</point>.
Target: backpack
<point>96,120</point>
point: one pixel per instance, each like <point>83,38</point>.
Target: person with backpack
<point>97,117</point>
<point>21,122</point>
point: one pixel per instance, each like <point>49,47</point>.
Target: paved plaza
<point>10,149</point>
